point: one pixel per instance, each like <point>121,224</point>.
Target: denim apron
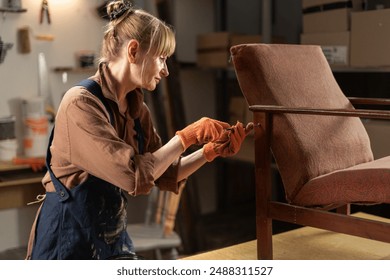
<point>86,222</point>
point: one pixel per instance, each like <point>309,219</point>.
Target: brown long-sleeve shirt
<point>86,143</point>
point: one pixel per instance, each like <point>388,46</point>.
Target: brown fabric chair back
<point>304,146</point>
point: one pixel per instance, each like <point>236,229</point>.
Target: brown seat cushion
<point>305,147</point>
<point>364,183</point>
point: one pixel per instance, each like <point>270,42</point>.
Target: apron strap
<point>140,135</point>
<point>60,188</point>
<point>94,88</point>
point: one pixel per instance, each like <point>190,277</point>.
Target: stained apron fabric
<point>86,222</point>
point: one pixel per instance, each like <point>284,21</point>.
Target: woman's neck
<point>122,85</point>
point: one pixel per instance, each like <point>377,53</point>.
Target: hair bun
<point>116,9</point>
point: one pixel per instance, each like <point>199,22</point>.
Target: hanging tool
<point>45,11</point>
<point>4,47</point>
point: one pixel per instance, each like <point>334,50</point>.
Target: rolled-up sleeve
<point>144,168</point>
<point>168,181</point>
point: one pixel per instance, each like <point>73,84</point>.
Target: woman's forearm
<point>167,155</point>
<point>191,163</point>
<point>170,152</point>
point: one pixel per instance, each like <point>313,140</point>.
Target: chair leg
<point>264,239</point>
<point>173,254</point>
<point>263,185</point>
<point>344,209</point>
<point>158,254</point>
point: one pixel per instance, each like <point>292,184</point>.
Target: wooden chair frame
<point>268,210</point>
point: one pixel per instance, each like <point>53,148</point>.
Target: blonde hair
<point>154,36</point>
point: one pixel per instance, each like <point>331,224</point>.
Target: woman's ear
<point>132,50</point>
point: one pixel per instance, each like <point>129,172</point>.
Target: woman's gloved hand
<point>203,131</point>
<point>227,147</point>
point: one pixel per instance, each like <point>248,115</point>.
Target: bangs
<point>163,42</point>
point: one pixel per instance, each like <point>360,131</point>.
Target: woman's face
<point>153,70</point>
<point>146,70</point>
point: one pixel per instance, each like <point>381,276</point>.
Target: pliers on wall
<point>45,11</point>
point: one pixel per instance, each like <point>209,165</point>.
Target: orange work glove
<point>202,131</point>
<point>229,147</point>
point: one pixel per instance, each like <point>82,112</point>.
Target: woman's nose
<point>164,71</point>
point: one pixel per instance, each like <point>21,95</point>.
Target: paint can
<point>36,127</point>
<point>7,127</point>
<point>8,149</point>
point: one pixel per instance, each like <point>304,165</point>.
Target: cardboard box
<point>328,15</point>
<point>214,40</point>
<point>213,49</point>
<point>328,21</point>
<point>335,45</point>
<point>354,4</point>
<point>377,4</point>
<point>313,3</point>
<point>370,40</point>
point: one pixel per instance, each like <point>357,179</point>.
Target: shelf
<point>15,175</point>
<point>9,166</point>
<point>12,10</point>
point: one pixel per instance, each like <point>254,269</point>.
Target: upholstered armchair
<point>317,140</point>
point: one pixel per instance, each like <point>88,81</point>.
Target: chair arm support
<point>369,101</point>
<point>368,114</point>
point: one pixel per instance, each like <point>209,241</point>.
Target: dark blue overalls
<point>86,222</point>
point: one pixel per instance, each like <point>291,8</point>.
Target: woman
<point>104,144</point>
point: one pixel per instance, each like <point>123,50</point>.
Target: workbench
<point>308,243</point>
<point>19,185</point>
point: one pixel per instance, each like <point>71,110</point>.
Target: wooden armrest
<point>369,114</point>
<point>369,101</point>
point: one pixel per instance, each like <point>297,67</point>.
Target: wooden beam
<point>336,222</point>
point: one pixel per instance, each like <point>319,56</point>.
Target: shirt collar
<point>135,98</point>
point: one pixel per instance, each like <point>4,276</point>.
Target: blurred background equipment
<point>8,143</point>
<point>13,4</point>
<point>4,47</point>
<point>86,58</point>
